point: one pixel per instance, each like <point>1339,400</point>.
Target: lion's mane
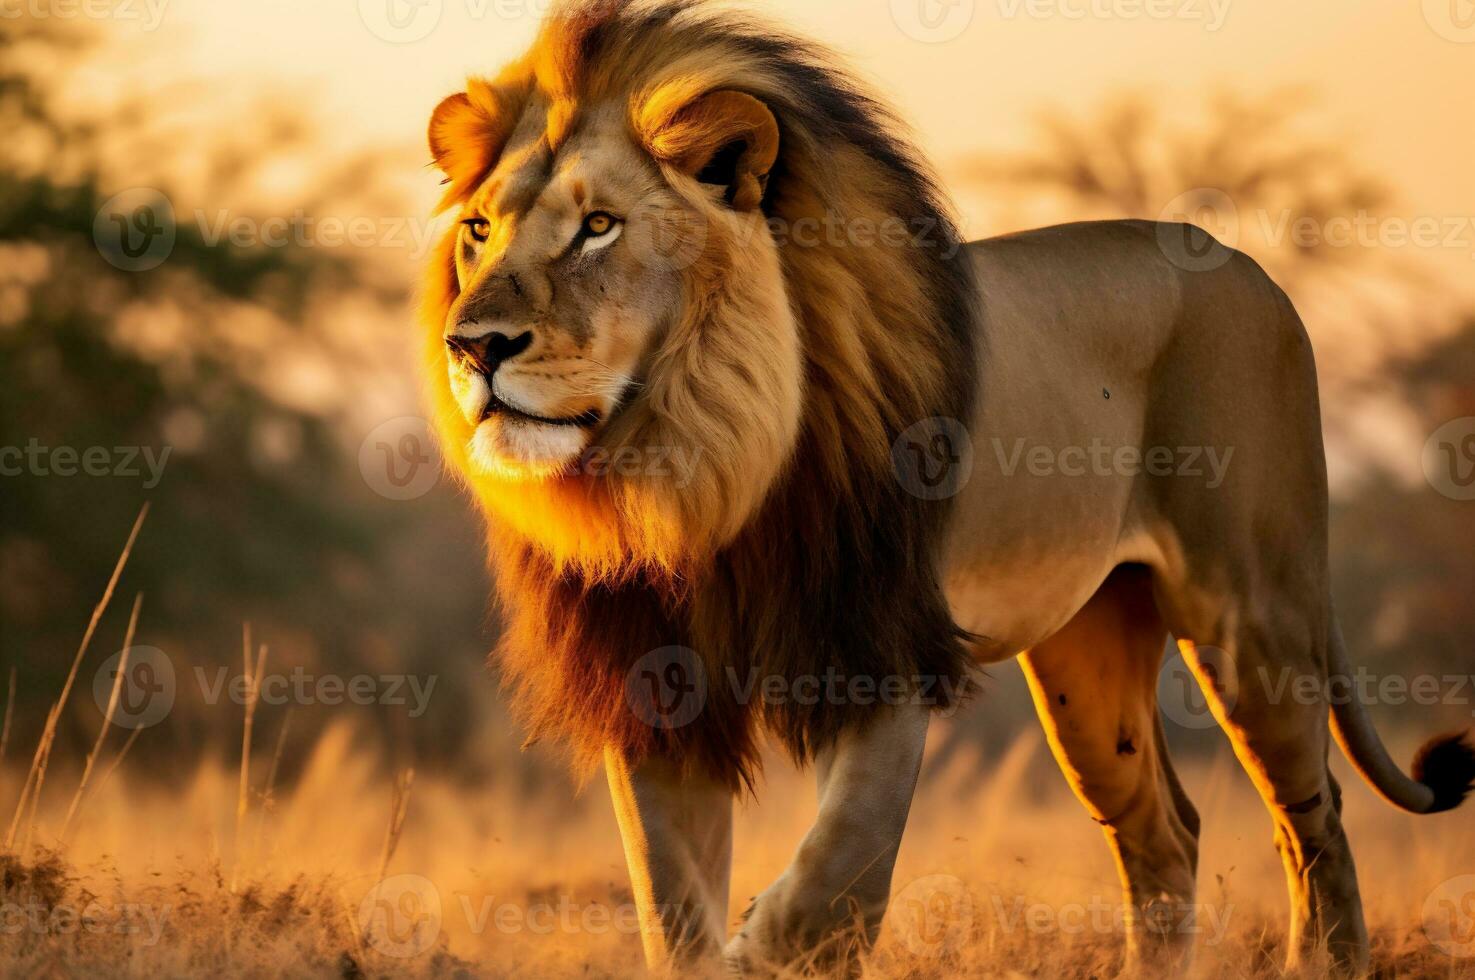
<point>821,564</point>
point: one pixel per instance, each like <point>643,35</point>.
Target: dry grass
<point>349,873</point>
<point>534,885</point>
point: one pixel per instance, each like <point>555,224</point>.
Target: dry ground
<point>1002,875</point>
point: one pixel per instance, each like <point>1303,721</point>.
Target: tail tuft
<point>1446,764</point>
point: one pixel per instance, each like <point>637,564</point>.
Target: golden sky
<point>1395,78</point>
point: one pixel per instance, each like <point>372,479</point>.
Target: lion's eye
<point>598,224</point>
<point>478,228</point>
<point>600,230</point>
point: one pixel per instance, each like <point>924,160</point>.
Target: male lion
<point>687,239</point>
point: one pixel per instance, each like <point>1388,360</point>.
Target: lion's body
<point>820,352</point>
<point>1129,411</point>
<point>1147,458</point>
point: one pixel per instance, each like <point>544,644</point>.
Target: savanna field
<point>358,869</point>
<point>250,728</point>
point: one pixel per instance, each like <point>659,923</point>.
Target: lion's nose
<point>488,351</point>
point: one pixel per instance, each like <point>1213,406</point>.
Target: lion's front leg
<point>829,902</point>
<point>678,844</point>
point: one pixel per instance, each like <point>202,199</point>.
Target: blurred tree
<point>1247,171</point>
<point>259,510</point>
<point>1404,556</point>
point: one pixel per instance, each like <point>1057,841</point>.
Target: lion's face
<point>566,282</point>
<point>612,295</point>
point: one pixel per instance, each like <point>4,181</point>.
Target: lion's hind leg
<point>1253,679</point>
<point>1094,685</point>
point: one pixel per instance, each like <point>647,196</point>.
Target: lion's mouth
<point>497,406</point>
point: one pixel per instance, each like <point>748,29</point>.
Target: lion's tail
<point>1443,770</point>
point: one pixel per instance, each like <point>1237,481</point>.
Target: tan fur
<point>796,375</point>
<point>783,373</point>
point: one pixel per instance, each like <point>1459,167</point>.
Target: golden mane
<point>773,561</point>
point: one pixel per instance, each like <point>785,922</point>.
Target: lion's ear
<point>468,132</point>
<point>725,138</point>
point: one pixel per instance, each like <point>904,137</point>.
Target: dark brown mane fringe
<point>837,574</point>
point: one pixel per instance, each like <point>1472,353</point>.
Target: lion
<point>684,235</point>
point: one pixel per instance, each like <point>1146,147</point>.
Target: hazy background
<point>266,161</point>
<point>269,348</point>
